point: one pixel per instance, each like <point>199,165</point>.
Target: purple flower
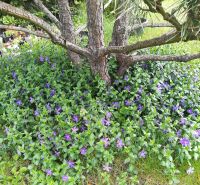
<point>47,59</point>
<point>183,121</point>
<point>120,143</point>
<point>52,93</point>
<point>48,106</point>
<point>107,168</point>
<point>127,88</point>
<point>178,133</point>
<point>142,154</point>
<point>128,102</point>
<point>41,59</point>
<point>140,90</point>
<point>48,172</point>
<point>47,85</point>
<point>36,113</point>
<point>58,110</point>
<point>197,133</point>
<point>19,102</point>
<point>190,170</point>
<point>105,122</point>
<point>106,141</point>
<point>184,142</point>
<point>68,137</point>
<point>74,129</point>
<point>75,118</point>
<point>83,151</point>
<point>126,78</point>
<point>190,111</point>
<point>140,107</point>
<point>108,115</point>
<point>116,105</point>
<point>57,154</point>
<point>71,164</point>
<point>31,99</point>
<point>65,178</point>
<point>54,133</point>
<point>14,75</point>
<point>175,108</point>
<point>6,130</point>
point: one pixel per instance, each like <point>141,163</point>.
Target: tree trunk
<point>120,35</point>
<point>67,28</point>
<point>96,39</point>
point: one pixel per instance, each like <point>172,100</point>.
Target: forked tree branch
<point>168,38</point>
<point>43,8</point>
<point>25,30</point>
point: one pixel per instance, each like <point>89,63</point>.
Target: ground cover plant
<point>67,125</point>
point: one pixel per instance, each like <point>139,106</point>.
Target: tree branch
<point>42,7</point>
<point>157,7</point>
<point>167,38</point>
<point>130,59</point>
<point>17,12</point>
<point>25,30</point>
<point>149,25</point>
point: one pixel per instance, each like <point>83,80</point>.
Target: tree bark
<point>96,39</point>
<point>120,35</point>
<point>67,28</point>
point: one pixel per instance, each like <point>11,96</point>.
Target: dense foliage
<point>66,124</point>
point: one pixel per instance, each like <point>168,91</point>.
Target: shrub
<point>67,124</point>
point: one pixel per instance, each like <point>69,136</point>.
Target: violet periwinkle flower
<point>57,154</point>
<point>31,99</point>
<point>184,142</point>
<point>183,121</point>
<point>65,178</point>
<point>142,154</point>
<point>190,170</point>
<point>19,102</point>
<point>83,151</point>
<point>197,133</point>
<point>159,87</point>
<point>175,107</point>
<point>41,59</point>
<point>68,137</point>
<point>52,93</point>
<point>48,172</point>
<point>75,118</point>
<point>108,115</point>
<point>47,59</point>
<point>55,133</point>
<point>126,78</point>
<point>190,111</point>
<point>36,113</point>
<point>107,168</point>
<point>105,122</point>
<point>128,102</point>
<point>140,90</point>
<point>48,106</point>
<point>178,133</point>
<point>127,88</point>
<point>71,164</point>
<point>120,143</point>
<point>14,75</point>
<point>116,105</point>
<point>140,107</point>
<point>182,102</point>
<point>74,129</point>
<point>106,141</point>
<point>58,110</point>
<point>47,85</point>
<point>83,128</point>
